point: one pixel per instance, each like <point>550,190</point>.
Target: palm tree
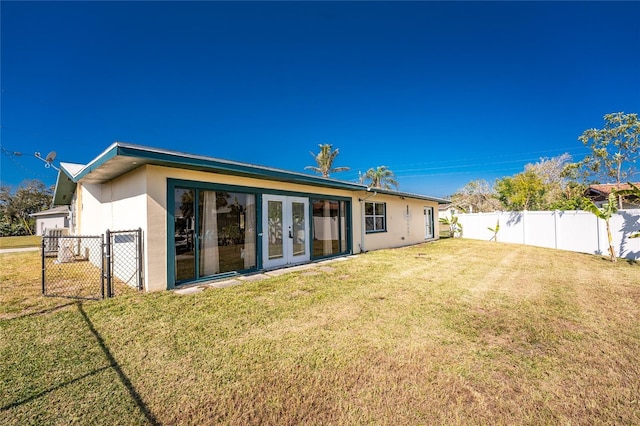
<point>380,177</point>
<point>325,159</point>
<point>605,213</point>
<point>455,227</point>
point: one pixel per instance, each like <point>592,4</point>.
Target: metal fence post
<point>102,272</point>
<point>108,262</point>
<point>43,265</point>
<point>139,258</point>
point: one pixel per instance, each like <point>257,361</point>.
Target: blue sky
<point>440,92</point>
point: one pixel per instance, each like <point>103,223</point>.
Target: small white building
<point>57,217</point>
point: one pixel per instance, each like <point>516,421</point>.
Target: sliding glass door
<point>329,228</point>
<point>215,233</point>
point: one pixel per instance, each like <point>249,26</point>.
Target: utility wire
<point>30,174</point>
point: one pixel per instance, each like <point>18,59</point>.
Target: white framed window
<point>375,217</point>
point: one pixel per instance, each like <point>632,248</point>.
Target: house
<point>204,218</point>
<point>57,217</point>
<point>599,194</point>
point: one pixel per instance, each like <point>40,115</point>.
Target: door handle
<point>290,233</point>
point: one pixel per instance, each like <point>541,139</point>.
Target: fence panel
<point>566,230</point>
<point>511,227</point>
<point>475,225</point>
<point>579,231</point>
<point>623,224</point>
<point>67,269</point>
<point>534,223</point>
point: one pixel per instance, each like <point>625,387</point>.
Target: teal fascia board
<point>64,190</point>
<point>410,195</point>
<point>233,168</point>
<point>110,153</point>
<point>209,164</point>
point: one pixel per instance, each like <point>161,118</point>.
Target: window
<point>375,217</point>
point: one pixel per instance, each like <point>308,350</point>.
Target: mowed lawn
<point>452,332</point>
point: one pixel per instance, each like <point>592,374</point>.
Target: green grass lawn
<point>20,242</point>
<point>451,332</point>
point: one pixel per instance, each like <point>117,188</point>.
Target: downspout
<point>362,222</point>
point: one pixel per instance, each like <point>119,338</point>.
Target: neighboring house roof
<point>606,188</point>
<point>56,211</point>
<point>601,192</point>
<point>120,158</point>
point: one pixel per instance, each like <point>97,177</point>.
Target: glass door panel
<point>299,225</point>
<point>208,235</point>
<point>275,246</point>
<point>184,238</point>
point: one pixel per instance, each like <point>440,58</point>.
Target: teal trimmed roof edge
<point>176,159</point>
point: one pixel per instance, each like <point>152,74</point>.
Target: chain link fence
<point>92,267</point>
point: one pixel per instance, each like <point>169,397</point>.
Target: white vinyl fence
<point>565,230</point>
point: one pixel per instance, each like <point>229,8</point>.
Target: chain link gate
<point>92,267</point>
<point>124,257</point>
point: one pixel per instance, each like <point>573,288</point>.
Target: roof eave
<point>183,160</point>
<point>64,190</point>
<point>146,155</point>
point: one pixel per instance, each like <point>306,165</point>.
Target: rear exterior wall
<point>138,199</point>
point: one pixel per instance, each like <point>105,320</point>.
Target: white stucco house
<point>204,218</point>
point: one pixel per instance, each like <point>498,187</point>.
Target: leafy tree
<point>476,196</point>
<point>605,214</point>
<point>571,197</point>
<point>615,149</point>
<point>380,177</point>
<point>546,185</point>
<point>552,172</point>
<point>324,160</point>
<point>524,191</point>
<point>15,207</point>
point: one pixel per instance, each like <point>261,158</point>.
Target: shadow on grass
<point>112,364</point>
<point>60,386</point>
<point>41,312</point>
<point>123,377</point>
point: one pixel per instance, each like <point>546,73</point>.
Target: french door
<point>428,223</point>
<point>285,227</point>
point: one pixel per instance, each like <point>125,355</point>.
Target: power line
<point>26,171</point>
<point>398,170</point>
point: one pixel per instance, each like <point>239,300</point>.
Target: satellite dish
<point>48,160</point>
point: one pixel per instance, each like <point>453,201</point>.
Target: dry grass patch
<point>453,332</point>
<point>20,242</point>
<point>21,286</point>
